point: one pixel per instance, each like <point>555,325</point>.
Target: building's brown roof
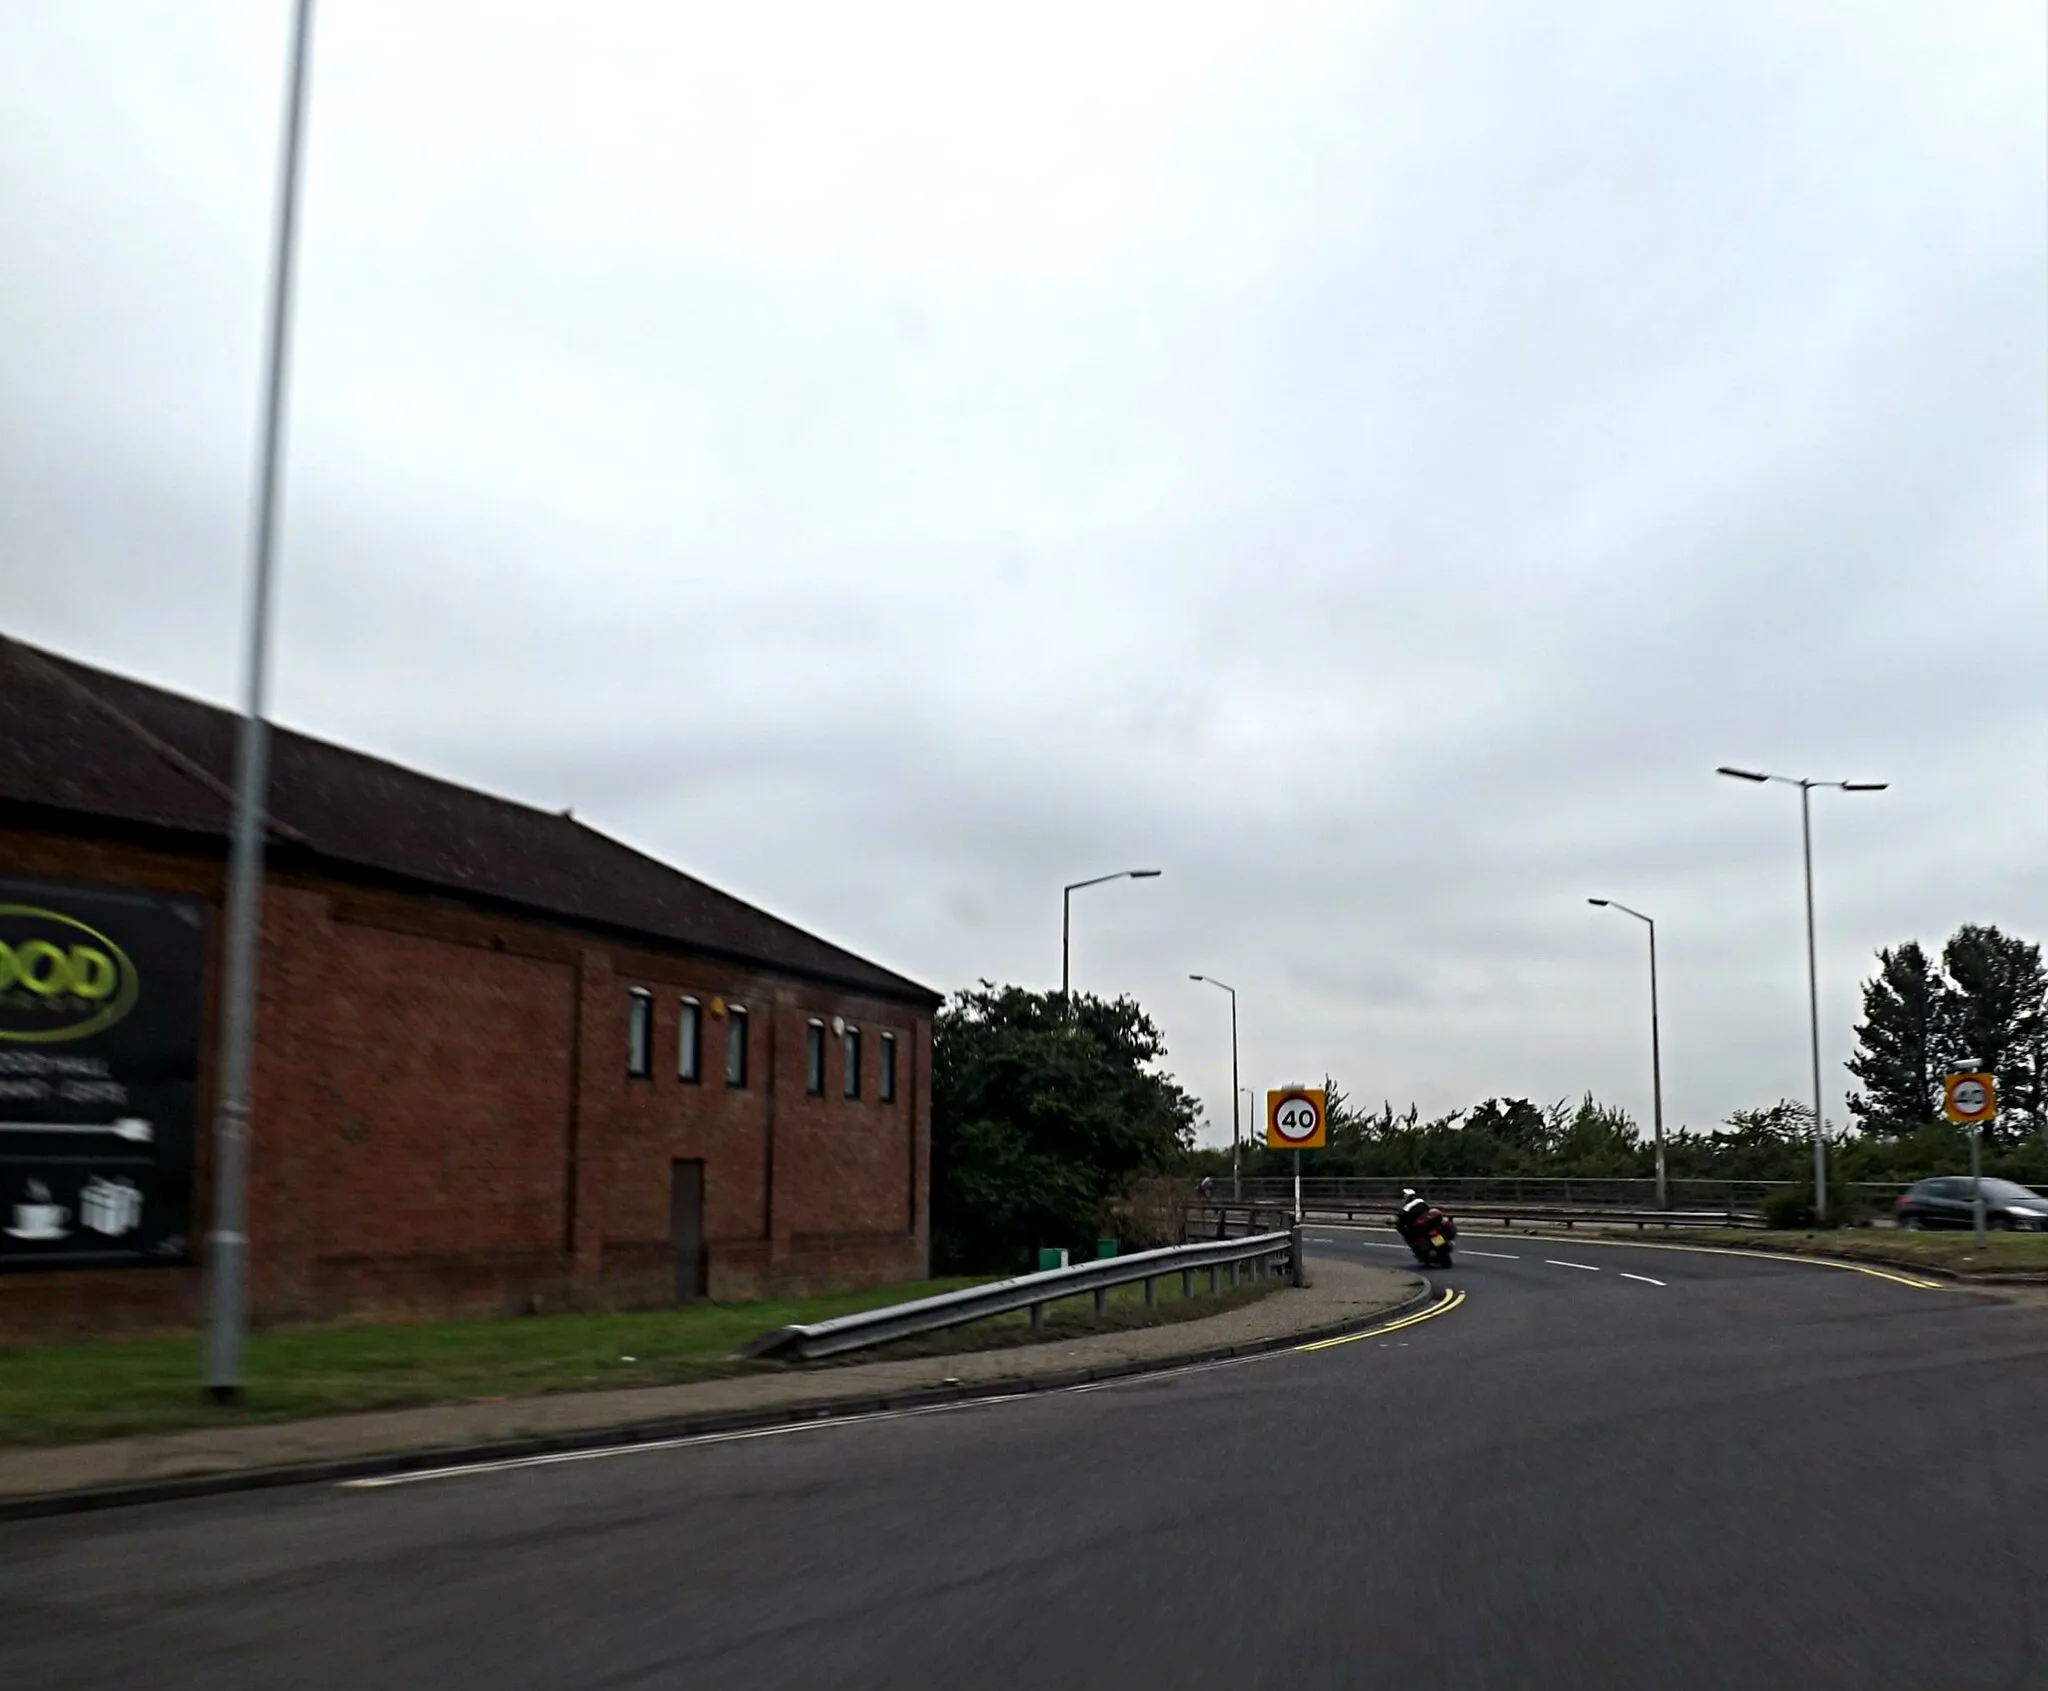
<point>99,745</point>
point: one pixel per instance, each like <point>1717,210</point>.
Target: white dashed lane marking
<point>1498,1256</point>
<point>1646,1280</point>
<point>1587,1266</point>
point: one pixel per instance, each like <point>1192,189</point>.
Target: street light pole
<point>1236,1133</point>
<point>1067,918</point>
<point>227,1243</point>
<point>1806,787</point>
<point>1820,1143</point>
<point>1656,1049</point>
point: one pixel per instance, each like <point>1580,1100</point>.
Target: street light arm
<point>1067,918</point>
<point>1803,782</point>
<point>1120,875</point>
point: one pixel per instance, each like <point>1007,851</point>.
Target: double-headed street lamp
<point>1236,1136</point>
<point>1067,918</point>
<point>1820,1154</point>
<point>1656,1053</point>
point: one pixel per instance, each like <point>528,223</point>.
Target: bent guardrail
<point>1268,1252</point>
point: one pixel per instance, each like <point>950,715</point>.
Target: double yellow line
<point>1443,1306</point>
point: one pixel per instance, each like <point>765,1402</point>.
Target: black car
<point>1945,1201</point>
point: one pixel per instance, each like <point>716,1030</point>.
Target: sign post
<point>1970,1100</point>
<point>1297,1120</point>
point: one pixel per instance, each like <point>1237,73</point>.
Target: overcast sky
<point>1368,461</point>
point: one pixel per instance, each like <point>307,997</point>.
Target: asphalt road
<point>1754,1474</point>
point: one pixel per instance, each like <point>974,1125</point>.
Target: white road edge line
<point>1587,1266</point>
<point>555,1458</point>
<point>1646,1280</point>
<point>686,1441</point>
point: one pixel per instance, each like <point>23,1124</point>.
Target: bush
<point>1792,1208</point>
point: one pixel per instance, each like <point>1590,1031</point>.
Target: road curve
<point>1607,1466</point>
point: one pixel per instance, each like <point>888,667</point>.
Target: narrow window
<point>640,1033</point>
<point>690,1042</point>
<point>735,1047</point>
<point>888,1075</point>
<point>853,1062</point>
<point>814,1059</point>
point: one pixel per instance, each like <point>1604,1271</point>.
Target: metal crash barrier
<point>1267,1253</point>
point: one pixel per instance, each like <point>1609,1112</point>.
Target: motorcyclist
<point>1425,1229</point>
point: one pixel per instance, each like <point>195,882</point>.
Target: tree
<point>1599,1142</point>
<point>1997,1019</point>
<point>1985,1007</point>
<point>1044,1108</point>
<point>1900,1043</point>
<point>1526,1132</point>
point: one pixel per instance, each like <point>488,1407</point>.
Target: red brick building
<point>504,1063</point>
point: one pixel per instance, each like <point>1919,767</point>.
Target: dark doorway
<point>686,1226</point>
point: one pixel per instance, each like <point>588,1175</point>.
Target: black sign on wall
<point>100,1004</point>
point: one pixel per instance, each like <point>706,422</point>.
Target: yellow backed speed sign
<point>1297,1119</point>
<point>1969,1099</point>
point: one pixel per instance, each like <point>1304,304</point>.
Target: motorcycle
<point>1430,1236</point>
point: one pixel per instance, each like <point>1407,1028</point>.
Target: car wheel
<point>1912,1223</point>
<point>2002,1222</point>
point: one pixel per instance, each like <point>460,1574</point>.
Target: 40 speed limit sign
<point>1969,1100</point>
<point>1297,1119</point>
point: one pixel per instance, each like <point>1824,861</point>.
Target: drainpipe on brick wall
<point>572,1128</point>
<point>768,1113</point>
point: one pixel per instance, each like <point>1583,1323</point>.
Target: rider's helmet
<point>1407,1192</point>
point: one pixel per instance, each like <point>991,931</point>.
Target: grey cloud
<point>1371,462</point>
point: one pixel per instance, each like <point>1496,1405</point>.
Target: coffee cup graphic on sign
<point>37,1218</point>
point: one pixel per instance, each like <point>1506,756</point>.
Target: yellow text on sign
<point>1297,1119</point>
<point>1969,1098</point>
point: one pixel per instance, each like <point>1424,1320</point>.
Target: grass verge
<point>60,1394</point>
<point>1953,1252</point>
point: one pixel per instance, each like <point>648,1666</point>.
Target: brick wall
<point>443,1122</point>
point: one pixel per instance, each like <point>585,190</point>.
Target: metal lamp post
<point>1820,1153</point>
<point>1236,1133</point>
<point>1656,1048</point>
<point>1067,917</point>
<point>227,1243</point>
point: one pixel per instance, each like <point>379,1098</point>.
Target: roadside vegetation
<point>1054,1121</point>
<point>1046,1109</point>
<point>1980,1004</point>
<point>65,1393</point>
<point>56,1393</point>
